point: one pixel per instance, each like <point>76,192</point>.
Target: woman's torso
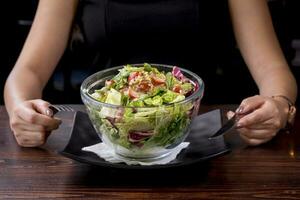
<point>186,33</point>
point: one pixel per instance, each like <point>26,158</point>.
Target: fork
<point>59,108</point>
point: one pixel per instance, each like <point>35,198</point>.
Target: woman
<point>263,115</point>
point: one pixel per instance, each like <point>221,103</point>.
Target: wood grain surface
<point>270,171</point>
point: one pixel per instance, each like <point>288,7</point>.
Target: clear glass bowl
<point>146,133</point>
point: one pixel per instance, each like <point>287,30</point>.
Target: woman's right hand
<point>32,121</point>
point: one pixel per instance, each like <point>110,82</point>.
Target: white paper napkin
<point>107,153</point>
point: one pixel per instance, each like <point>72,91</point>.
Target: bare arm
<point>261,51</point>
<point>260,48</point>
<point>42,50</point>
<point>31,120</point>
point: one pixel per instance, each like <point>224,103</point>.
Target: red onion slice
<point>179,75</point>
<point>137,136</point>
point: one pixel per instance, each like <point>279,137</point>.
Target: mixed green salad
<point>148,111</point>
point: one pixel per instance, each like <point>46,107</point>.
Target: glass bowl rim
<point>198,93</point>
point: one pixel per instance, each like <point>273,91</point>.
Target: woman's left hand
<point>266,117</point>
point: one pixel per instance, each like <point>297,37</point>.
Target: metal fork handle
<point>57,108</point>
<point>53,109</point>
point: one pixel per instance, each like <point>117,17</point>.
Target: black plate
<point>200,148</point>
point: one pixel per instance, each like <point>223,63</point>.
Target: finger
<point>257,133</point>
<point>229,114</point>
<point>42,107</point>
<point>254,142</point>
<point>25,126</point>
<point>250,104</point>
<point>268,124</point>
<point>258,126</point>
<point>32,117</point>
<point>30,138</point>
<point>258,116</point>
<point>31,127</point>
<point>36,128</point>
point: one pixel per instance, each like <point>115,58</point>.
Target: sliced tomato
<point>157,81</point>
<point>132,94</point>
<point>144,86</point>
<point>177,88</point>
<point>133,75</point>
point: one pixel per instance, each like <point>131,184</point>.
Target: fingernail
<point>228,114</point>
<point>49,112</point>
<point>239,125</point>
<point>239,109</point>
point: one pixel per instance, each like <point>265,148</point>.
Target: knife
<point>230,124</point>
<point>226,127</point>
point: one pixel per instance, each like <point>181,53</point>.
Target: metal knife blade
<point>226,127</point>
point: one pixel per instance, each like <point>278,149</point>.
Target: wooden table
<point>269,171</point>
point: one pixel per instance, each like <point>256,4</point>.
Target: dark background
<point>231,77</point>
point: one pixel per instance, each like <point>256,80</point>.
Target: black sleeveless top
<point>189,33</point>
<point>193,34</point>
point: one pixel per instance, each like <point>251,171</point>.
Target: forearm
<point>21,86</point>
<point>260,48</point>
<point>42,51</point>
<point>278,81</point>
